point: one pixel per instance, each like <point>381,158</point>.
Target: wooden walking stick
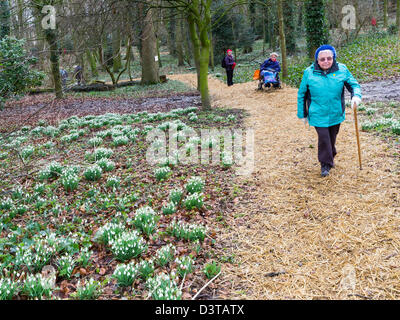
<point>357,134</point>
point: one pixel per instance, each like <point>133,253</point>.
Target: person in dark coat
<point>271,64</point>
<point>229,66</point>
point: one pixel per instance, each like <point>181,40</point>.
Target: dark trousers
<point>229,77</point>
<point>326,144</point>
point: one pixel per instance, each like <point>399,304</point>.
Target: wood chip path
<point>296,235</point>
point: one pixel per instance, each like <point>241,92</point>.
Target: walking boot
<point>325,170</point>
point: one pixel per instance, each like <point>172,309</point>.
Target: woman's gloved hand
<point>355,100</point>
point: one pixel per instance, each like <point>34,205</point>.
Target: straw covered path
<point>294,235</point>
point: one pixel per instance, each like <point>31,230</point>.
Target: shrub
<point>27,152</point>
<point>195,184</point>
<point>125,274</point>
<point>191,232</point>
<point>95,141</point>
<point>66,265</point>
<point>193,201</point>
<point>69,180</point>
<point>396,127</point>
<point>164,287</point>
<point>8,289</point>
<point>106,164</point>
<point>226,160</point>
<point>6,204</point>
<point>162,173</point>
<point>49,144</point>
<point>101,153</point>
<point>88,291</point>
<point>109,232</point>
<point>128,245</point>
<point>16,74</point>
<point>52,170</point>
<point>120,141</point>
<point>175,196</point>
<point>170,208</point>
<point>37,286</point>
<point>37,257</point>
<point>113,182</point>
<point>93,173</point>
<point>185,265</point>
<point>211,269</point>
<point>145,268</point>
<point>165,254</point>
<point>146,220</point>
<point>84,257</point>
<point>39,188</point>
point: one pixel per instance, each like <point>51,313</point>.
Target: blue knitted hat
<point>325,47</point>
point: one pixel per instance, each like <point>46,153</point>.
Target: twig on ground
<point>206,285</point>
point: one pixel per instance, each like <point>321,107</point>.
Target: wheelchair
<point>269,78</point>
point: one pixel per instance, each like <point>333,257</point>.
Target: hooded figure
<point>321,103</point>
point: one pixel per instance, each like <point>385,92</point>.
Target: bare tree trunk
<point>128,60</point>
<point>211,51</point>
<point>398,17</point>
<point>199,26</point>
<point>187,45</point>
<point>263,30</point>
<point>385,14</point>
<point>105,66</point>
<point>92,62</point>
<point>5,19</point>
<point>20,19</point>
<point>116,44</point>
<point>150,69</point>
<point>51,38</point>
<point>179,43</point>
<point>172,27</point>
<point>196,47</point>
<point>282,40</point>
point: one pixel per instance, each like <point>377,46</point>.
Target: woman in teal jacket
<point>321,103</point>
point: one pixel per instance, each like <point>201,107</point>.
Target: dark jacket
<point>229,62</point>
<point>269,64</point>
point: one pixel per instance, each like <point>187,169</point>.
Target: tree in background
<point>5,21</point>
<point>385,13</point>
<point>52,40</point>
<point>231,30</point>
<point>149,55</point>
<point>316,25</point>
<point>289,10</point>
<point>398,16</point>
<point>282,39</point>
<point>16,74</point>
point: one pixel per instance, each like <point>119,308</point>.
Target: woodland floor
<point>294,235</point>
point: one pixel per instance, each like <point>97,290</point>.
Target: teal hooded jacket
<point>321,95</point>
